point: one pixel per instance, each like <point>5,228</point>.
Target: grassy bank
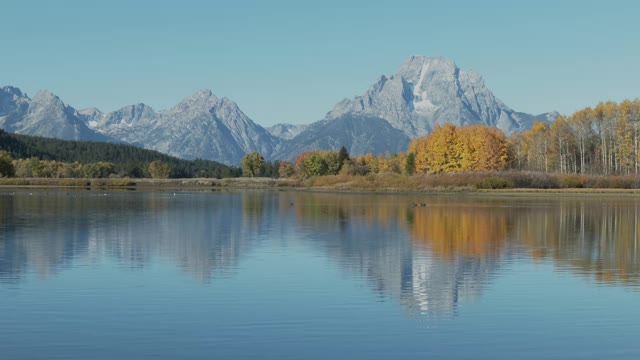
<point>477,181</point>
<point>389,182</point>
<point>243,183</point>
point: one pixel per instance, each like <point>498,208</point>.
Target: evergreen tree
<point>410,164</point>
<point>343,155</point>
<point>127,160</point>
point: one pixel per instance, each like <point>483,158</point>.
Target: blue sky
<point>291,61</point>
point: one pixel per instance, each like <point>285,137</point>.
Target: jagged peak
<point>228,102</point>
<point>202,94</point>
<point>134,110</point>
<point>228,106</point>
<point>138,106</point>
<point>45,95</point>
<point>287,126</point>
<point>415,63</point>
<point>90,110</point>
<point>424,59</point>
<point>200,99</point>
<point>45,98</point>
<point>475,78</point>
<point>282,125</point>
<point>13,91</point>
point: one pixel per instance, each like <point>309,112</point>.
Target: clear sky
<point>291,61</point>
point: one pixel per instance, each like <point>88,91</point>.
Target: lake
<point>290,275</point>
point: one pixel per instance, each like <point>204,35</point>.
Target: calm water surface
<point>203,275</point>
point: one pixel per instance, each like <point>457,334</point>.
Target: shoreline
<point>145,183</point>
<point>285,184</point>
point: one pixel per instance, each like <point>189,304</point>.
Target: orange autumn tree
<point>437,152</point>
<point>484,148</point>
<point>285,169</point>
<point>470,148</point>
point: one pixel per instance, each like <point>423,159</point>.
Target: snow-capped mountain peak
<point>423,92</point>
<point>432,90</point>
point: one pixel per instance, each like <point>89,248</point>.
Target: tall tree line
<point>127,160</point>
<point>604,140</point>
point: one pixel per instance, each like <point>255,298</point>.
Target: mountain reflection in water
<point>428,259</point>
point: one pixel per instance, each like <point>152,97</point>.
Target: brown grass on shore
<point>386,182</point>
<point>151,183</point>
<point>471,182</point>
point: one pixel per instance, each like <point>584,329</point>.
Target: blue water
<point>201,275</point>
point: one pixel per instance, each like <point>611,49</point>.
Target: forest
<point>592,142</point>
<point>45,157</point>
<point>603,140</point>
<point>598,141</point>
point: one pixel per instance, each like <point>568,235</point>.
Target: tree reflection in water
<point>429,259</point>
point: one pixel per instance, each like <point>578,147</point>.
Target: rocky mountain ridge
<point>199,126</point>
<point>44,115</point>
<point>425,91</point>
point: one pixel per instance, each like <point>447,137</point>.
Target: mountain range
<point>425,91</point>
<point>44,115</point>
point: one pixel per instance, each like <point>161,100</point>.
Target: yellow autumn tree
<point>561,144</point>
<point>483,148</point>
<point>626,138</point>
<point>536,143</point>
<point>418,149</point>
<point>469,148</point>
<point>437,152</point>
<point>252,164</point>
<point>444,150</point>
<point>157,169</point>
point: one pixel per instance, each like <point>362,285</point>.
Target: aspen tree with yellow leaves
<point>469,148</point>
<point>604,140</point>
